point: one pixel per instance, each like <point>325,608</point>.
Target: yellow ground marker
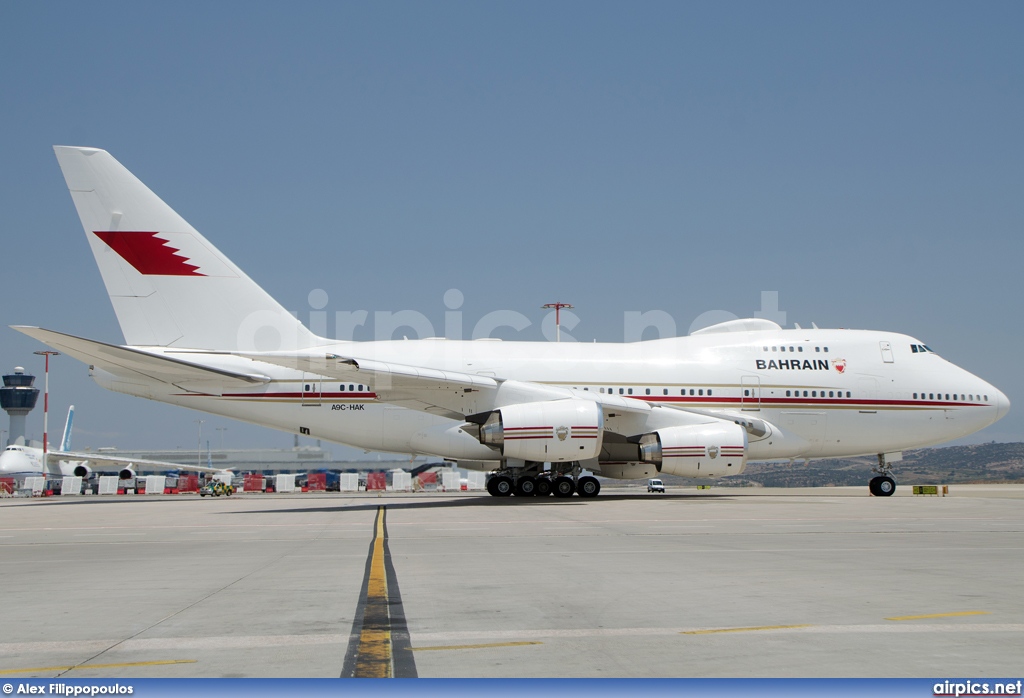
<point>941,615</point>
<point>98,666</point>
<point>743,630</point>
<point>474,647</point>
<point>373,658</point>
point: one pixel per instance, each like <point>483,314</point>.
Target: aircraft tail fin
<point>169,286</point>
<point>65,443</point>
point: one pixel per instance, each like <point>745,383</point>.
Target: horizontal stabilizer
<point>125,361</point>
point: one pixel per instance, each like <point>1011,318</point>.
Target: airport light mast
<point>46,401</point>
<point>199,443</point>
<point>558,318</point>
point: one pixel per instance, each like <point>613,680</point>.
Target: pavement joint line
<point>159,662</point>
<point>205,643</point>
<point>437,648</point>
<point>379,645</point>
<point>179,611</point>
<point>755,628</point>
<point>941,615</point>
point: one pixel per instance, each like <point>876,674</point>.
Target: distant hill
<point>983,463</point>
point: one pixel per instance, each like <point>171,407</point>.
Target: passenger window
<point>805,393</point>
<point>630,391</point>
<point>709,391</point>
<point>830,393</point>
<point>665,392</point>
<point>817,348</point>
<point>648,391</point>
<point>746,393</point>
<point>691,391</point>
<point>847,393</point>
<point>701,391</point>
<point>620,391</point>
<point>826,350</point>
<point>915,396</point>
<point>799,348</point>
<point>787,393</point>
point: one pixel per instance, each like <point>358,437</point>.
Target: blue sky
<point>864,160</point>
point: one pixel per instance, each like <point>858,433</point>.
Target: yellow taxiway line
<point>438,648</point>
<point>941,615</point>
<point>743,630</point>
<point>374,653</point>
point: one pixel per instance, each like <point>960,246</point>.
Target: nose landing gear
<point>882,485</point>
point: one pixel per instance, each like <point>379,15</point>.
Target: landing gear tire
<point>564,487</point>
<point>490,486</point>
<point>588,486</point>
<point>526,487</point>
<point>886,486</point>
<point>883,486</point>
<point>503,486</point>
<point>543,487</point>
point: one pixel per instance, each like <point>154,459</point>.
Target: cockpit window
<point>921,349</point>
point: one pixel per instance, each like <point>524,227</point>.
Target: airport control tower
<point>18,397</point>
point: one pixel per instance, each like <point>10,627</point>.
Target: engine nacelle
<point>126,474</point>
<point>82,470</point>
<point>698,450</point>
<point>553,431</point>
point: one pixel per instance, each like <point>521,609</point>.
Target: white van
<point>655,485</point>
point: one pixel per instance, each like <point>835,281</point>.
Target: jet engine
<point>126,474</point>
<point>698,450</point>
<point>553,431</point>
<point>82,470</point>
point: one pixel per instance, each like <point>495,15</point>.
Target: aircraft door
<point>312,390</point>
<point>886,348</point>
<point>750,393</point>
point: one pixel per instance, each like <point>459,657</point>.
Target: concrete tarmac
<point>722,582</point>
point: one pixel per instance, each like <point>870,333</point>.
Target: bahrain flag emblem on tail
<point>149,254</point>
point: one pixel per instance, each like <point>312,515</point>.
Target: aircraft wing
<point>101,460</point>
<point>125,361</point>
<point>449,393</point>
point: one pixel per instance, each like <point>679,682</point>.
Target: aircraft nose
<point>1002,405</point>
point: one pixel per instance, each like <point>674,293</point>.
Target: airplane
<point>19,460</point>
<point>545,418</point>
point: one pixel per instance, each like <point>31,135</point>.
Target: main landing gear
<point>532,482</point>
<point>882,485</point>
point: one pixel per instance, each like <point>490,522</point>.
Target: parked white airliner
<point>19,461</point>
<point>202,334</point>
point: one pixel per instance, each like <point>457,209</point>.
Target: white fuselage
<point>26,461</point>
<point>825,393</point>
